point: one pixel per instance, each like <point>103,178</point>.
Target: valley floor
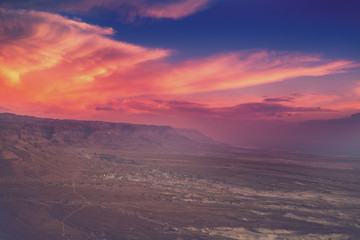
<point>222,193</point>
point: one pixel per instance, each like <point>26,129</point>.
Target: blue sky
<point>330,27</point>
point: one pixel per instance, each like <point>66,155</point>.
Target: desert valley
<point>66,179</point>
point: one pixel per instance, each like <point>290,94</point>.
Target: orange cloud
<point>47,52</point>
<point>59,64</point>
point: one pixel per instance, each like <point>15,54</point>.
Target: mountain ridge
<point>80,132</point>
<point>32,147</point>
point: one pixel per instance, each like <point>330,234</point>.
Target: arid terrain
<point>66,179</point>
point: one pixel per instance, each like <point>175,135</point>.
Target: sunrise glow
<point>62,60</point>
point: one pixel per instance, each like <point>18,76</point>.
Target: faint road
<point>84,204</point>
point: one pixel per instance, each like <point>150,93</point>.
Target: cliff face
<point>35,147</point>
<point>102,134</point>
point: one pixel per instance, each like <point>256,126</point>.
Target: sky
<point>273,74</point>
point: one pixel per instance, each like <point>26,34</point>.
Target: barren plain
<point>65,179</point>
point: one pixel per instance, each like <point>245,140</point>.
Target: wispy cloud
<point>221,72</point>
<point>279,99</point>
<point>243,69</point>
<point>357,89</point>
<point>185,108</point>
<point>174,10</point>
<point>61,54</point>
<point>126,9</point>
<point>51,61</point>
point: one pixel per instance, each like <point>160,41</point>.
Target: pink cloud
<point>168,107</point>
<point>347,104</point>
<point>243,69</point>
<point>45,53</point>
<point>53,62</point>
<point>174,10</point>
<point>357,90</point>
<point>127,9</point>
<point>220,72</point>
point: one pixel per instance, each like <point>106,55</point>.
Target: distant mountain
<point>194,135</point>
